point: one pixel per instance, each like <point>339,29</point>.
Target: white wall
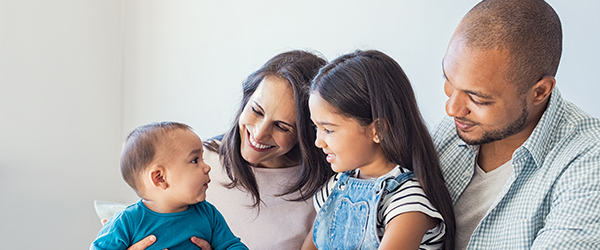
<point>77,76</point>
<point>60,120</point>
<point>186,61</point>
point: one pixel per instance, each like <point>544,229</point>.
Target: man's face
<point>484,105</point>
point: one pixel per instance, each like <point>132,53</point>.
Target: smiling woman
<point>266,168</point>
<point>268,125</point>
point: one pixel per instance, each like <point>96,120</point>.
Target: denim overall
<point>348,219</point>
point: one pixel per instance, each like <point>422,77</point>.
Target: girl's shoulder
<point>322,195</point>
<point>408,197</point>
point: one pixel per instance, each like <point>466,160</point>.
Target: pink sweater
<point>280,224</point>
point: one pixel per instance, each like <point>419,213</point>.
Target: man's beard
<point>491,136</point>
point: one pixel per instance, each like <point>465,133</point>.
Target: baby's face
<point>187,173</point>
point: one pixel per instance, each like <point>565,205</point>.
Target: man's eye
<point>479,103</point>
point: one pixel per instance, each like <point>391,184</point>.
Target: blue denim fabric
<point>348,219</point>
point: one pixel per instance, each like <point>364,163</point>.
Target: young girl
<point>389,192</point>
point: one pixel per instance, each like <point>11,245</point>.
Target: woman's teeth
<point>258,145</point>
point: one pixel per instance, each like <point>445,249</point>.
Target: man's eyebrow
<point>471,92</point>
<point>477,93</point>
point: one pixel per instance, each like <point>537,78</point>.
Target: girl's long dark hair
<point>370,86</point>
<point>298,68</point>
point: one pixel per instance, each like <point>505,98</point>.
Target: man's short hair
<point>530,30</point>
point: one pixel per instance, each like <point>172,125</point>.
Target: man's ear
<point>157,176</point>
<point>542,89</point>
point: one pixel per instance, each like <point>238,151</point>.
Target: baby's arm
<point>222,238</point>
<point>406,231</point>
<point>150,239</point>
<point>113,235</point>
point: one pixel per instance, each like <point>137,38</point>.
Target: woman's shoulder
<point>213,144</point>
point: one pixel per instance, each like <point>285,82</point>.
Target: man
<point>522,165</point>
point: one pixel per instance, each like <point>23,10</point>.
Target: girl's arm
<point>406,231</point>
<point>308,243</point>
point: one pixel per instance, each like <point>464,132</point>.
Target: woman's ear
<point>157,176</point>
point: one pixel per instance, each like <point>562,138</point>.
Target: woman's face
<point>268,124</point>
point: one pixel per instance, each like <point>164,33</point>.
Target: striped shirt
<point>409,197</point>
<point>552,198</point>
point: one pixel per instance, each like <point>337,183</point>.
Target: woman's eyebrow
<point>259,107</point>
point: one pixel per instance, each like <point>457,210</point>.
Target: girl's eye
<point>195,160</point>
<point>327,131</point>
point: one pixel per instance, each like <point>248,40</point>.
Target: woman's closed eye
<point>256,111</point>
<point>282,127</point>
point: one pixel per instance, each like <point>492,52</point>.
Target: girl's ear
<point>374,125</point>
<point>157,175</point>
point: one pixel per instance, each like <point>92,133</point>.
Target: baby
<point>163,163</point>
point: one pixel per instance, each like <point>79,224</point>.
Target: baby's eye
<point>195,160</point>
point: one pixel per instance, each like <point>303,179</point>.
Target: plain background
<point>76,76</point>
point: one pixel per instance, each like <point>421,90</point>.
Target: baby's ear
<point>157,176</point>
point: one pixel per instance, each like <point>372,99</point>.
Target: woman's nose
<point>261,131</point>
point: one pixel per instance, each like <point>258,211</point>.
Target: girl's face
<point>348,144</point>
<point>268,124</point>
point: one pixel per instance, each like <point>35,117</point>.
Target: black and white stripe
<point>409,197</point>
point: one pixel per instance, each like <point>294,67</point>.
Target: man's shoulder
<point>583,124</point>
<point>576,131</point>
<point>445,136</point>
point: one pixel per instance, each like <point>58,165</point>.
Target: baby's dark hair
<point>140,148</point>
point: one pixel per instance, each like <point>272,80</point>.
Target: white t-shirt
<point>477,198</point>
<point>409,198</point>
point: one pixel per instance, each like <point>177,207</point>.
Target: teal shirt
<point>172,230</point>
<point>552,198</point>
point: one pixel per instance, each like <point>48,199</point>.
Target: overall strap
<point>391,183</point>
<point>344,177</point>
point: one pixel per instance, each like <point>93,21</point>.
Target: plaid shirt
<point>552,198</point>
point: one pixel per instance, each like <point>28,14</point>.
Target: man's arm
<point>573,221</point>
